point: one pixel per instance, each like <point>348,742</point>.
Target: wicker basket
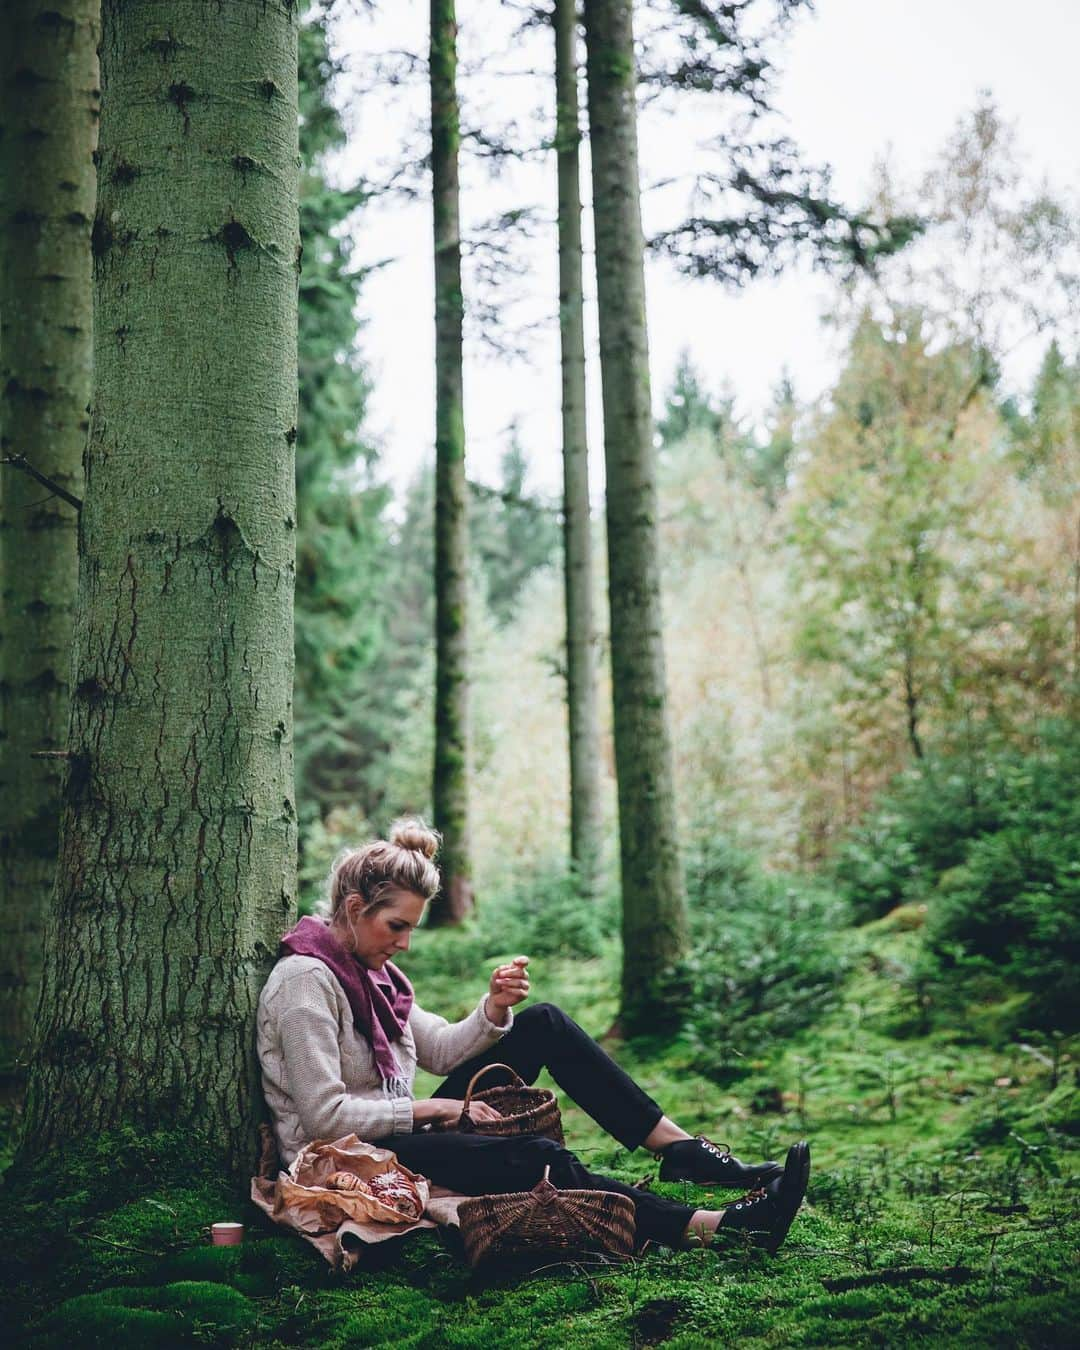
<point>546,1221</point>
<point>523,1110</point>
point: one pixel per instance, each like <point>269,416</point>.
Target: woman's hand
<point>447,1111</point>
<point>509,985</point>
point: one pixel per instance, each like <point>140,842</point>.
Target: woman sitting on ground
<point>340,1037</point>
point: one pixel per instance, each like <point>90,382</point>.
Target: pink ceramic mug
<point>226,1234</point>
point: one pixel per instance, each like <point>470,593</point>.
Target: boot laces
<point>720,1151</point>
<point>751,1198</point>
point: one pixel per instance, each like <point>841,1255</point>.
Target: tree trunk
<point>654,909</point>
<point>49,100</point>
<point>911,701</point>
<point>577,542</point>
<point>178,836</point>
<point>450,788</point>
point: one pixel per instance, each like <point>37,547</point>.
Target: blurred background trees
<point>871,624</point>
<point>877,585</point>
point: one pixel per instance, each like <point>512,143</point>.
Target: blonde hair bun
<point>414,835</point>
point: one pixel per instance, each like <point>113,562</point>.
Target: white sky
<point>858,78</point>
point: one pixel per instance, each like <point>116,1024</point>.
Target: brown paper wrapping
<point>340,1223</point>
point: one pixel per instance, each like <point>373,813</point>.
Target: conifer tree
<point>48,130</point>
<point>178,834</point>
<point>450,787</point>
<point>687,406</point>
<point>584,730</point>
<point>512,533</point>
<point>654,907</point>
<point>341,547</point>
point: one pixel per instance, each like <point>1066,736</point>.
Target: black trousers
<point>476,1164</point>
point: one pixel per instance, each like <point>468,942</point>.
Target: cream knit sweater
<point>319,1073</point>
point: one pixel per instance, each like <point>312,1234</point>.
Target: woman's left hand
<point>509,985</point>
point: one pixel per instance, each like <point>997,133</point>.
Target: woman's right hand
<point>447,1111</point>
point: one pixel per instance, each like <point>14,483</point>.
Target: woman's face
<point>379,936</point>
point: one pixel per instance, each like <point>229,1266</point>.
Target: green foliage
<point>546,914</point>
<point>342,827</point>
<point>895,537</point>
<point>688,406</point>
<point>992,848</point>
<point>1048,437</point>
<point>918,829</point>
<point>512,533</point>
<point>769,461</point>
<point>340,535</point>
<point>1013,905</point>
<point>763,964</point>
<point>543,916</point>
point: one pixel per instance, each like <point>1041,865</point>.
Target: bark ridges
<point>49,99</point>
<point>654,911</point>
<point>177,859</point>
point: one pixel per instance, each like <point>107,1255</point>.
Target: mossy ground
<point>942,1208</point>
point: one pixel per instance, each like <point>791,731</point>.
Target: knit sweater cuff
<point>493,1029</point>
<point>403,1115</point>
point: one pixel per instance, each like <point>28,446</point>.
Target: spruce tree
<point>341,545</point>
<point>654,907</point>
<point>178,834</point>
<point>584,731</point>
<point>48,130</point>
<point>688,408</point>
<point>450,787</point>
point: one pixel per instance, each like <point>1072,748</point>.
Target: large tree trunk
<point>577,543</point>
<point>178,836</point>
<point>654,910</point>
<point>450,788</point>
<point>49,100</point>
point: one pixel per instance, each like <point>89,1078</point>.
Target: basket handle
<point>545,1188</point>
<point>518,1081</point>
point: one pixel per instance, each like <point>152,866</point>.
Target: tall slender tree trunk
<point>450,788</point>
<point>49,100</point>
<point>654,908</point>
<point>178,836</point>
<point>577,542</point>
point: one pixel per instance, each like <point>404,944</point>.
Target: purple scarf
<point>381,1000</point>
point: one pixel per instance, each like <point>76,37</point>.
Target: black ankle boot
<point>764,1215</point>
<point>701,1160</point>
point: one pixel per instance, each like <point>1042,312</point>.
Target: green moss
<point>250,1268</point>
<point>105,1211</point>
<point>87,1321</point>
<point>185,1313</point>
<point>976,1170</point>
<point>410,1316</point>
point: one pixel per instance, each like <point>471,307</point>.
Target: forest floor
<point>942,1211</point>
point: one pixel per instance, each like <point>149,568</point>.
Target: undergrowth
<point>942,1208</point>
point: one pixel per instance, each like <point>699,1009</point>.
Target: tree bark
<point>577,541</point>
<point>49,99</point>
<point>450,787</point>
<point>178,836</point>
<point>654,908</point>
